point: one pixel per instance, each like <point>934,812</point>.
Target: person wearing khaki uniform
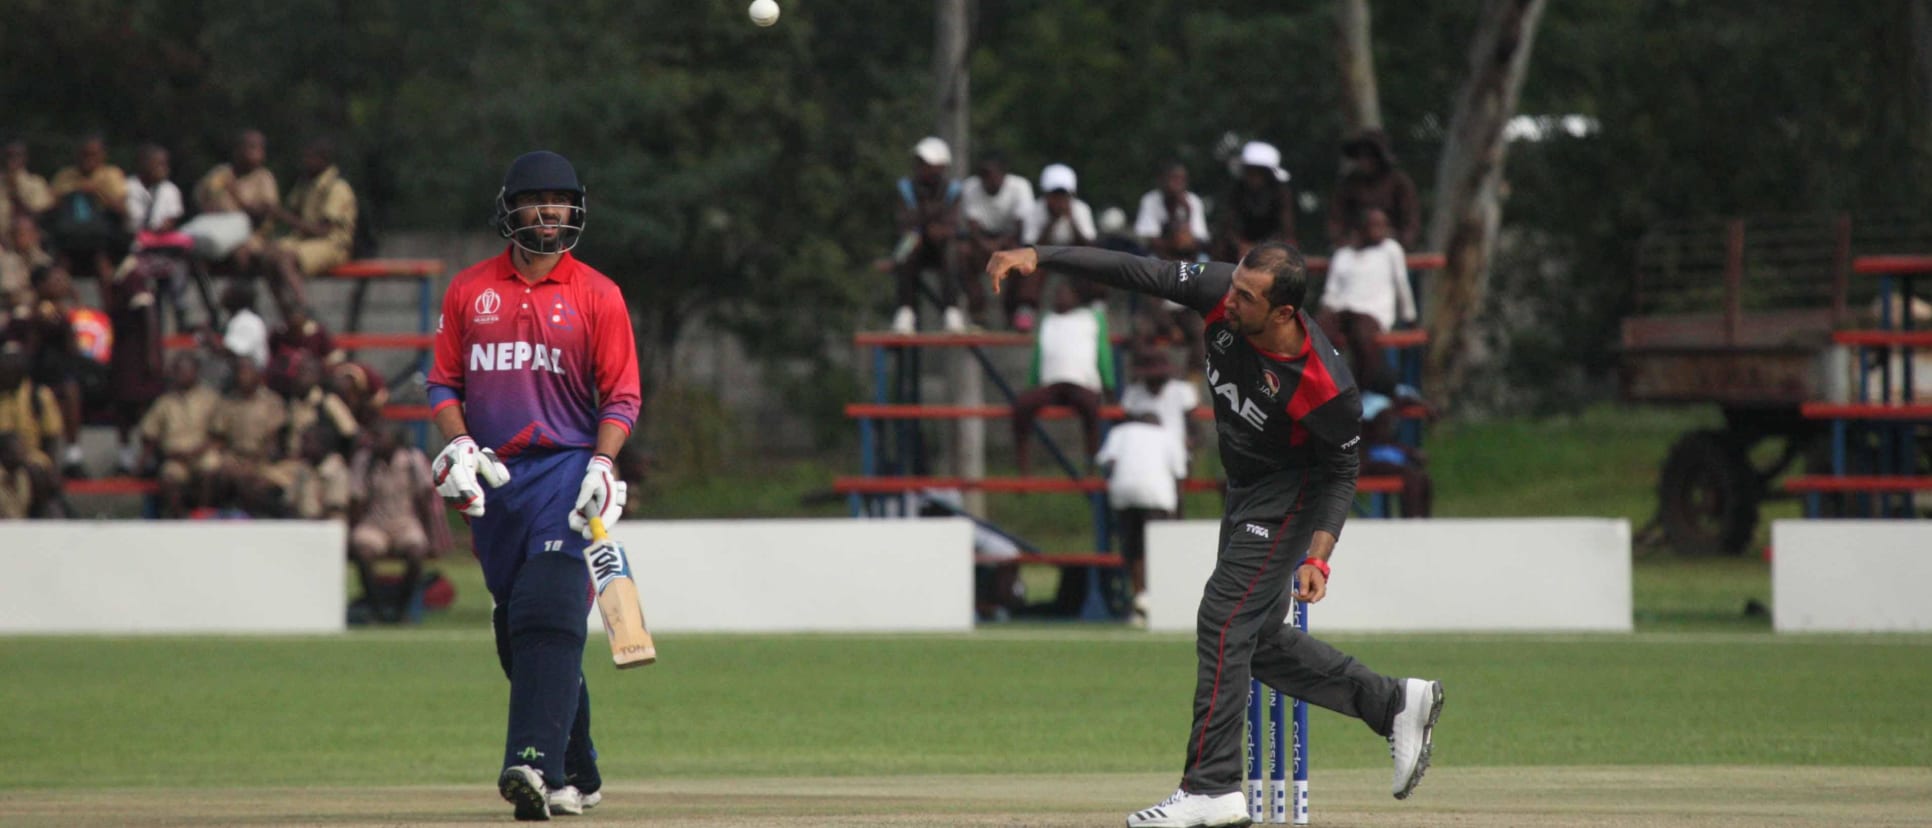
<point>21,192</point>
<point>240,191</point>
<point>88,248</point>
<point>321,217</point>
<point>29,411</point>
<point>313,412</point>
<point>318,486</point>
<point>244,427</point>
<point>175,432</point>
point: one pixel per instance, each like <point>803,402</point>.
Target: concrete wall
<point>152,577</point>
<point>836,575</point>
<point>1568,574</point>
<point>1851,575</point>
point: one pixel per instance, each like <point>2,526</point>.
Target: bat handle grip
<point>597,532</point>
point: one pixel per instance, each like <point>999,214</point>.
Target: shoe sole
<point>531,803</point>
<point>1428,741</point>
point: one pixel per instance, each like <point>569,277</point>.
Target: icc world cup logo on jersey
<point>487,304</point>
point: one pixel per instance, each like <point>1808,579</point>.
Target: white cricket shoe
<point>566,801</point>
<point>955,320</point>
<point>522,786</point>
<point>905,321</point>
<point>591,799</point>
<point>1415,726</point>
<point>1186,810</point>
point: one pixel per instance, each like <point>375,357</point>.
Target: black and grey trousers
<point>1241,631</point>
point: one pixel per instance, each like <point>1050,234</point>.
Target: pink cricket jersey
<point>535,366</point>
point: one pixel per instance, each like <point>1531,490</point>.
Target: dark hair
<point>993,156</point>
<point>1169,165</point>
<point>1290,270</point>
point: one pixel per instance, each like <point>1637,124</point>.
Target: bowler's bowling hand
<point>1310,584</point>
<point>1020,261</point>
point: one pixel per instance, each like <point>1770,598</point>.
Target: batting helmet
<point>540,171</point>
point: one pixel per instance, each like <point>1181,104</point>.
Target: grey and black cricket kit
<point>1287,425</point>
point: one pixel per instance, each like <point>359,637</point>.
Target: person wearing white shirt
<point>1366,295</point>
<point>1144,469</point>
<point>153,202</point>
<point>1155,392</point>
<point>1073,363</point>
<point>992,211</point>
<point>1059,218</point>
<point>1172,222</point>
<point>246,336</point>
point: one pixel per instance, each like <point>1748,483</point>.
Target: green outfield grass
<point>426,707</point>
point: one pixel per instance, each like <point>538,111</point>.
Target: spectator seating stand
<point>1876,463</point>
<point>422,272</point>
<point>894,461</point>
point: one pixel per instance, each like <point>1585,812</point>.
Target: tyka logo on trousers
<point>1257,530</point>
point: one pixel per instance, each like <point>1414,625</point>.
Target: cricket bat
<point>610,571</point>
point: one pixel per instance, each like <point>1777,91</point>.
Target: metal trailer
<point>1740,315</point>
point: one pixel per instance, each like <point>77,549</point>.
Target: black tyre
<point>1707,499</point>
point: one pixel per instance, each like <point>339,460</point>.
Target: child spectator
<point>928,220</point>
<point>21,256</point>
<point>174,434</point>
<point>1172,223</point>
<point>387,519</point>
<point>1367,294</point>
<point>1383,454</point>
<point>1260,207</point>
<point>89,217</point>
<point>134,367</point>
<point>993,205</point>
<point>312,406</point>
<point>1073,364</point>
<point>22,193</point>
<point>1374,180</point>
<point>58,363</point>
<point>1144,471</point>
<point>237,203</point>
<point>1155,392</point>
<point>153,202</point>
<point>245,428</point>
<point>362,389</point>
<point>321,223</point>
<point>28,410</point>
<point>246,336</point>
<point>300,335</point>
<point>314,482</point>
<point>16,480</point>
<point>1059,217</point>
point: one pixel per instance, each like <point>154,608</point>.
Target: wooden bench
<point>112,486</point>
<point>1884,339</point>
<point>1866,411</point>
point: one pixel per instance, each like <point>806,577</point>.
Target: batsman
<point>1288,419</point>
<point>535,388</point>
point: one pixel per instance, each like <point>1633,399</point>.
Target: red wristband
<point>1316,563</point>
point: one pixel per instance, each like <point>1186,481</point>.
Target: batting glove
<point>602,495</point>
<point>457,469</point>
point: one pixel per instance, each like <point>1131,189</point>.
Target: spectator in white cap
<point>1261,206</point>
<point>928,219</point>
<point>1058,218</point>
<point>1172,222</point>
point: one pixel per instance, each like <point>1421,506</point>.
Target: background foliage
<point>742,175</point>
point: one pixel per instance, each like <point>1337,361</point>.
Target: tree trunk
<point>1465,216</point>
<point>1361,105</point>
<point>952,104</point>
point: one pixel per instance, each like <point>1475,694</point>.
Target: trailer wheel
<point>1707,499</point>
